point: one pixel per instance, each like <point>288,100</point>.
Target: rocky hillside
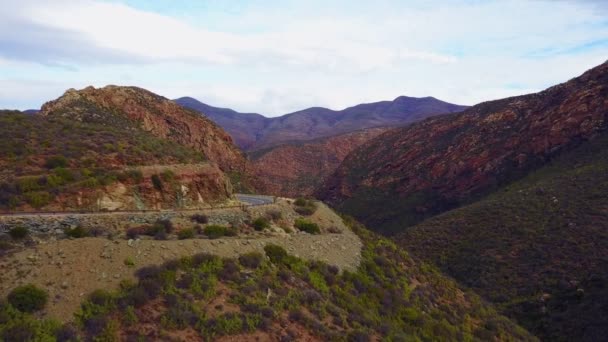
<point>412,173</point>
<point>57,163</point>
<point>538,248</point>
<point>243,127</point>
<point>253,131</point>
<point>297,169</point>
<point>137,108</point>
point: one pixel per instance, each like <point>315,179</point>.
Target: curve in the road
<point>255,199</point>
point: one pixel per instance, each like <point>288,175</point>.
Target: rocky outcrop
<point>141,109</point>
<point>181,187</point>
<point>295,170</point>
<point>410,173</point>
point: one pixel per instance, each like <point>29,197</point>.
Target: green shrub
<point>18,232</point>
<point>300,202</point>
<point>216,231</point>
<point>307,226</point>
<point>135,175</point>
<point>55,162</point>
<point>167,175</point>
<point>53,180</point>
<point>77,232</point>
<point>305,207</point>
<point>260,223</point>
<point>129,262</point>
<point>275,253</point>
<point>64,174</point>
<point>38,199</point>
<point>187,233</point>
<point>28,298</point>
<point>30,183</point>
<point>251,259</point>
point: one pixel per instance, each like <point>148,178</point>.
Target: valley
<point>128,216</point>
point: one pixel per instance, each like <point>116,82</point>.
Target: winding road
<point>255,199</point>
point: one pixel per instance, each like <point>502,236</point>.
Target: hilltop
<point>115,148</point>
<point>254,131</point>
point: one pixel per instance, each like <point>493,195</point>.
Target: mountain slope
<point>538,247</point>
<point>297,169</point>
<point>279,297</point>
<point>408,174</point>
<point>140,109</point>
<point>57,163</point>
<point>243,127</point>
<point>256,132</point>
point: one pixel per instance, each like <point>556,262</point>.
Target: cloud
<point>277,57</point>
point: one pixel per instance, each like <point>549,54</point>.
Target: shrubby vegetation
<point>50,156</point>
<point>260,223</point>
<point>18,232</point>
<point>307,226</point>
<point>77,232</point>
<point>28,298</point>
<point>215,231</point>
<point>390,295</point>
<point>538,247</point>
<point>305,206</point>
<point>159,230</point>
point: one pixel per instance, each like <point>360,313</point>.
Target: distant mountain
<point>243,127</point>
<point>31,111</point>
<point>254,131</point>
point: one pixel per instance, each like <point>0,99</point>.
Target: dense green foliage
<point>538,247</point>
<point>186,233</point>
<point>307,226</point>
<point>260,223</point>
<point>28,298</point>
<point>18,232</point>
<point>42,157</point>
<point>214,231</point>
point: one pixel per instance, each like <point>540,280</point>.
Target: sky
<point>278,56</point>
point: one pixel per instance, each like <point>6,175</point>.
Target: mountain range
<point>254,131</point>
<point>495,217</point>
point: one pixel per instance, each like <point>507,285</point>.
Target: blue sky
<point>274,57</point>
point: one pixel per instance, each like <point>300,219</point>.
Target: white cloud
<point>275,58</point>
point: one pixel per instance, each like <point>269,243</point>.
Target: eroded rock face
<point>295,170</point>
<point>190,186</point>
<point>428,167</point>
<point>150,112</point>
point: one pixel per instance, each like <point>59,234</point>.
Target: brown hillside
<point>152,113</point>
<point>297,169</point>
